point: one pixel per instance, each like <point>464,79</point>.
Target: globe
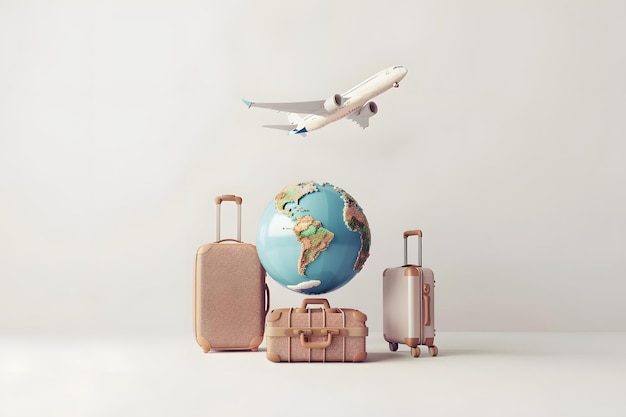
<point>313,238</point>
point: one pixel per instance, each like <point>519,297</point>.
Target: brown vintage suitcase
<point>231,297</point>
<point>316,334</point>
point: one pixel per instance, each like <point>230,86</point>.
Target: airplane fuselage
<point>356,104</point>
<point>356,98</point>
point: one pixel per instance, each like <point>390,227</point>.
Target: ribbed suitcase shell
<point>316,334</point>
<point>409,304</point>
<point>231,297</point>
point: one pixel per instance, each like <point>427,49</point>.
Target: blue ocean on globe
<point>313,238</point>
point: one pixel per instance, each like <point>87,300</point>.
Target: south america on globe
<point>313,238</point>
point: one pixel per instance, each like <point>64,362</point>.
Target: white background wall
<point>120,121</point>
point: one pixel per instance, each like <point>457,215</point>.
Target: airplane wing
<point>303,107</point>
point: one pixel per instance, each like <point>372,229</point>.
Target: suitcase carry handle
<point>426,304</point>
<point>228,240</point>
<point>418,233</point>
<point>308,301</point>
<point>317,345</point>
<point>218,201</point>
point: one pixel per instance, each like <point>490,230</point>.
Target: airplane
<point>354,104</point>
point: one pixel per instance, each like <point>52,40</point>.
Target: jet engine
<point>369,109</point>
<point>333,103</point>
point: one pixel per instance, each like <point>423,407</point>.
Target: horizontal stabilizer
<point>281,127</point>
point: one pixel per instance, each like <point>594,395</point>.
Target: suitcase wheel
<point>415,352</point>
<point>393,346</point>
<point>433,350</point>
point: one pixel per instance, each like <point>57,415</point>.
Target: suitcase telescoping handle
<point>218,201</point>
<point>418,233</point>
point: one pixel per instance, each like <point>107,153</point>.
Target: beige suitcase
<point>409,303</point>
<point>316,334</point>
<point>231,297</point>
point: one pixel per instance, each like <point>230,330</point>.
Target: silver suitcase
<point>409,303</point>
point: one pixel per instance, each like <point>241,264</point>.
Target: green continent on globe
<point>313,238</point>
<point>293,194</point>
<point>357,222</point>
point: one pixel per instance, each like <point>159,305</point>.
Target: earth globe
<point>313,238</point>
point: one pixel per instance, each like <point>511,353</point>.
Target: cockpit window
<point>398,66</point>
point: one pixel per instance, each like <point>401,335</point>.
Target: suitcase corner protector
<point>411,271</point>
<point>359,316</point>
<point>204,344</point>
<point>203,249</point>
<point>412,341</point>
<point>255,343</point>
<point>273,316</point>
<point>273,357</point>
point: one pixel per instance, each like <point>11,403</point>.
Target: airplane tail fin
<point>297,122</point>
<point>295,118</point>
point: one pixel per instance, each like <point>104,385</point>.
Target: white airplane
<point>354,103</point>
